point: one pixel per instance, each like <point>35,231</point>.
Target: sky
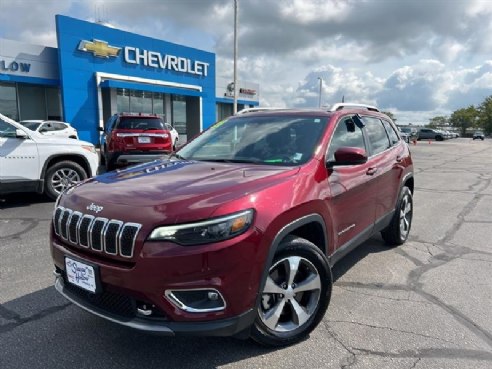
<point>415,58</point>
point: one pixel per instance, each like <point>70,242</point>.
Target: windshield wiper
<point>177,156</point>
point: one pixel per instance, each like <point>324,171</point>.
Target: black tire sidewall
<point>48,188</point>
<point>296,246</point>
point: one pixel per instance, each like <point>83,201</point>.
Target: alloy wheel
<point>64,178</point>
<point>405,216</point>
<point>291,294</point>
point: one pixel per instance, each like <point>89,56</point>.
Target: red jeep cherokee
<point>130,138</point>
<point>236,233</point>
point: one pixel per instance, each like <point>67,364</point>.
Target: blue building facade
<point>97,71</point>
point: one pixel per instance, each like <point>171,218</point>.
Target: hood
<point>177,190</point>
<point>54,140</point>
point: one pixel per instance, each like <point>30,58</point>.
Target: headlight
<point>89,148</point>
<point>214,230</point>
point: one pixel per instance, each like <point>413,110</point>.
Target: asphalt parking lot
<point>427,304</point>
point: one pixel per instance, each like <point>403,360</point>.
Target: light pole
<point>320,89</point>
<point>234,109</point>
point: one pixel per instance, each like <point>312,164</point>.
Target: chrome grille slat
<point>63,223</point>
<point>56,219</point>
<point>73,225</point>
<point>83,231</point>
<point>127,238</point>
<point>96,233</point>
<point>111,236</point>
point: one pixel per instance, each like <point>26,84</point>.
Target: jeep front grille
<point>111,236</point>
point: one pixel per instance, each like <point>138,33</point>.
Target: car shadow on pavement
<point>372,246</point>
<point>17,200</point>
<point>43,330</point>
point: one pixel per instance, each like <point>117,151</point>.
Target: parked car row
<point>436,134</point>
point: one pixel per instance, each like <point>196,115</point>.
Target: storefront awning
<point>149,87</point>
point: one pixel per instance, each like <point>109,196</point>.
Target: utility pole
<point>320,89</point>
<point>234,109</point>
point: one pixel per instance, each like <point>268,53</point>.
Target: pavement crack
<point>384,297</point>
<point>415,363</point>
<point>392,329</point>
<point>431,353</point>
<point>348,361</point>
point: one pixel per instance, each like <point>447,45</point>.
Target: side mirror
<point>349,156</point>
<point>100,129</point>
<point>19,133</point>
<point>43,130</point>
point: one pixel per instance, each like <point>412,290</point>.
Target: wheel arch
<point>79,159</point>
<point>311,227</point>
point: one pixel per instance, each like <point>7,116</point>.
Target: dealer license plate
<point>80,274</point>
<point>143,140</point>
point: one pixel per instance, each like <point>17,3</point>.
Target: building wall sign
<point>154,59</point>
<point>14,66</point>
<point>247,91</point>
<point>99,48</point>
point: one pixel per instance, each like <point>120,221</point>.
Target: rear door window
<point>378,137</point>
<point>391,132</point>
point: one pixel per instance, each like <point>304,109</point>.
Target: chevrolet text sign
<point>134,55</point>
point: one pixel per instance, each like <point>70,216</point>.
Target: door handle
<point>371,171</point>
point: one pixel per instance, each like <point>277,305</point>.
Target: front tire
<point>396,233</point>
<point>61,176</point>
<point>295,296</point>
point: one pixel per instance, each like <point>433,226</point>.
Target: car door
<point>19,159</point>
<point>387,153</point>
<point>352,188</point>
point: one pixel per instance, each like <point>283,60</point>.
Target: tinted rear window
<point>140,123</point>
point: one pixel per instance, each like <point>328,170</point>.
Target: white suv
<point>31,162</point>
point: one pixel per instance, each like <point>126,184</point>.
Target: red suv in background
<point>131,138</point>
<point>237,232</point>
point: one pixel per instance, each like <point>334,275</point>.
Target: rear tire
<point>396,233</point>
<point>295,296</point>
<point>61,176</point>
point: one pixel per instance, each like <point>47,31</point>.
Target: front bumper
<point>233,268</point>
<point>222,327</point>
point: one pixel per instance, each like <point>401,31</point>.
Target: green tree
<point>485,115</point>
<point>464,118</point>
<point>390,114</point>
<point>438,121</point>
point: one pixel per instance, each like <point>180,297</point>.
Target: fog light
<point>197,300</point>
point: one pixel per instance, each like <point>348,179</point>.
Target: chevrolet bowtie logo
<point>99,48</point>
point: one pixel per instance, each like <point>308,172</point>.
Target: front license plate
<point>144,140</point>
<point>81,275</point>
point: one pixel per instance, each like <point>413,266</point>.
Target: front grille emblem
<point>95,208</point>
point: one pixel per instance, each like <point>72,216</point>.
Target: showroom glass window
<point>179,113</point>
<point>8,101</point>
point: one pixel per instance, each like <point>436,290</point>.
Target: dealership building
<point>97,71</point>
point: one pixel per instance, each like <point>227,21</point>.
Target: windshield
<point>276,140</point>
<point>30,125</point>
